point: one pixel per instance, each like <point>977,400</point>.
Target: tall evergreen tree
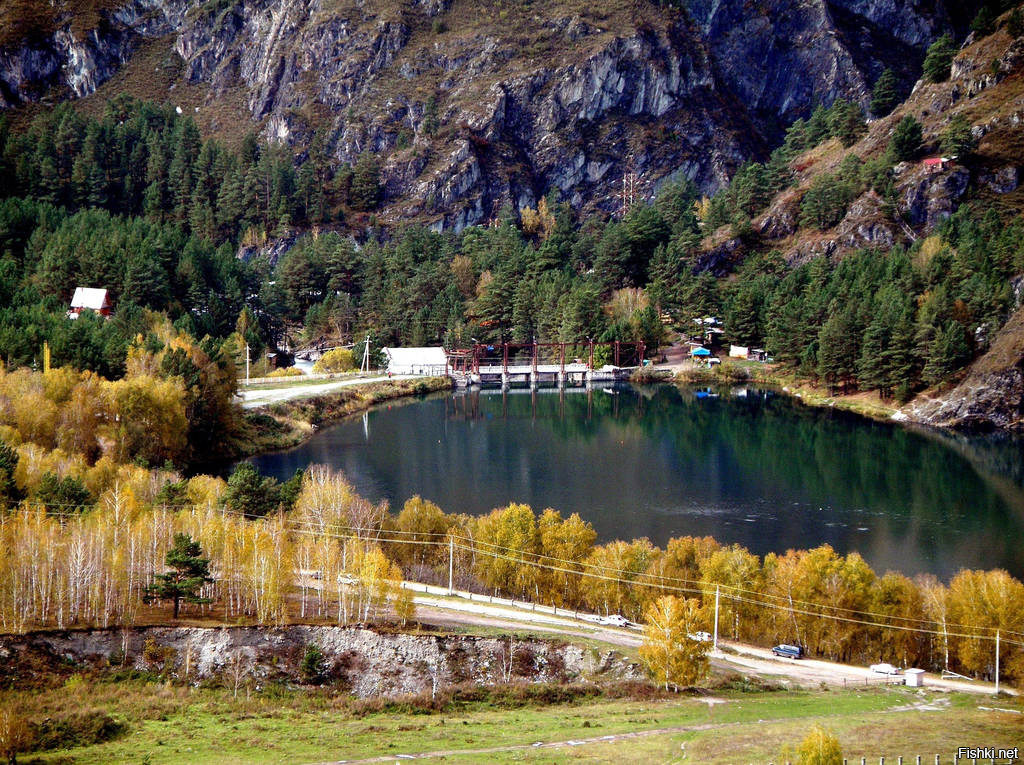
<point>189,571</point>
<point>939,59</point>
<point>884,96</point>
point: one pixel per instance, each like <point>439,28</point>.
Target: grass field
<point>167,723</point>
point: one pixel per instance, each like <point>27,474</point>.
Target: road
<point>254,398</point>
<point>463,608</point>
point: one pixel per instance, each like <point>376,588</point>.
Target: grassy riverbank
<point>731,372</point>
<point>152,720</point>
<point>288,423</point>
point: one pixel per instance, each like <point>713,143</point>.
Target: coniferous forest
<point>138,203</point>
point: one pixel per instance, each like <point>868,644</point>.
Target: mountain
<point>469,105</point>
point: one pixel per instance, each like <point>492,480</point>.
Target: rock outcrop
<point>472,109</point>
<point>366,662</point>
<point>991,396</point>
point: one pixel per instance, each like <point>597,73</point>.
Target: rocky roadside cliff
<point>472,107</point>
<point>363,661</point>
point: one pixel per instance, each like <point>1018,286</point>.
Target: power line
<point>312,527</point>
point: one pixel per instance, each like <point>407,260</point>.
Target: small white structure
<point>431,361</point>
<point>914,678</point>
<point>738,351</point>
<point>89,298</point>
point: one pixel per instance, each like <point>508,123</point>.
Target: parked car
<point>615,620</point>
<point>700,637</point>
<point>788,651</point>
<point>885,668</point>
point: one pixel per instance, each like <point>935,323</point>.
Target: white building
<point>431,361</point>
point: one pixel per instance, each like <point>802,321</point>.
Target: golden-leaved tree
<point>673,657</point>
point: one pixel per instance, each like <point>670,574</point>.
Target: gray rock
<point>366,662</point>
<point>1002,181</point>
<point>928,197</point>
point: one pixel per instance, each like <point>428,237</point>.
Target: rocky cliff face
<point>473,106</point>
<point>991,396</point>
<point>839,48</point>
<point>366,662</point>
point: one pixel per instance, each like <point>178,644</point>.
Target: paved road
<point>254,398</point>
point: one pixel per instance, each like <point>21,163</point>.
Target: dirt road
<point>253,398</point>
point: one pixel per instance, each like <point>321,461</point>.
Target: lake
<point>742,465</point>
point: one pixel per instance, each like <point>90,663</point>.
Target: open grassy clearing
<point>175,724</point>
<point>297,381</point>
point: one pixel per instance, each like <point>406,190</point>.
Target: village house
<point>92,299</point>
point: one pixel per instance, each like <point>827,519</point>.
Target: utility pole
<point>451,565</point>
<point>997,662</point>
<point>365,365</point>
<point>246,363</point>
<point>714,645</point>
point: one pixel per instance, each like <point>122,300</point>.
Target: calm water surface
<point>746,466</point>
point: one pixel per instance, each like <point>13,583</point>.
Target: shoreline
<point>285,424</point>
<point>866,404</point>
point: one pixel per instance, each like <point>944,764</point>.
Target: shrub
<point>313,666</point>
<point>78,729</point>
<point>287,372</point>
<point>820,747</point>
<point>336,360</point>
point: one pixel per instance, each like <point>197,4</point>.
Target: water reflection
<point>742,465</point>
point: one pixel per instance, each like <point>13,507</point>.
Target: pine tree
<point>847,122</point>
<point>873,371</point>
<point>189,572</point>
<point>884,96</point>
<point>957,140</point>
<point>9,493</point>
<point>365,192</point>
<point>906,139</point>
<point>984,23</point>
<point>939,59</point>
<point>947,353</point>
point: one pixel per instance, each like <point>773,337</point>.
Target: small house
<point>92,299</point>
<point>935,164</point>
<point>429,360</point>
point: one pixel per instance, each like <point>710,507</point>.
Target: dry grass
<point>28,20</point>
